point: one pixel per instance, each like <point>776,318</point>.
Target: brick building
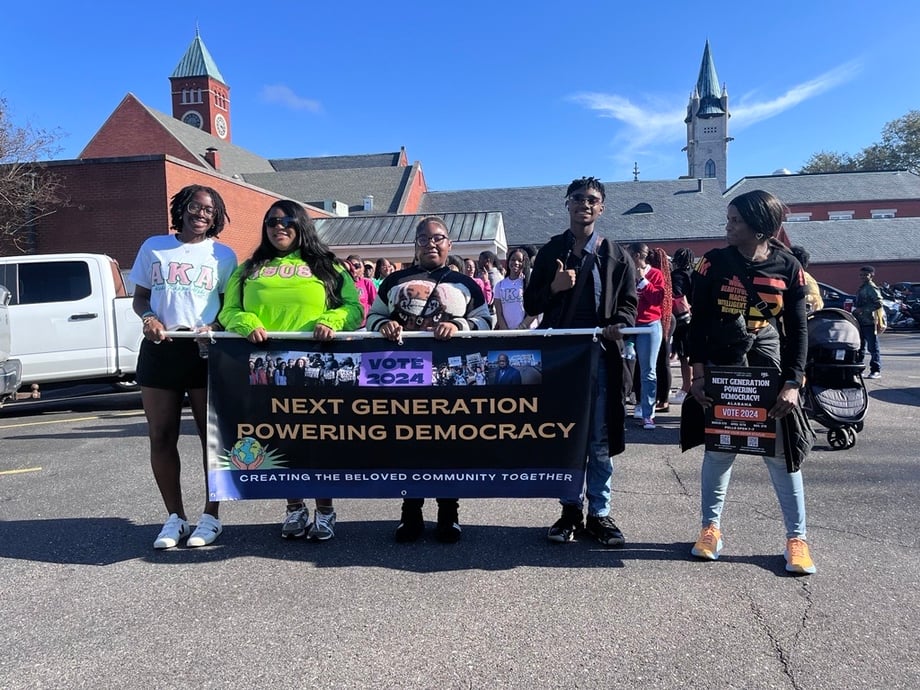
<point>120,186</point>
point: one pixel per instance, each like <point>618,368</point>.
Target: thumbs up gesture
<point>563,280</point>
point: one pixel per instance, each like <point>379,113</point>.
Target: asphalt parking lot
<point>86,601</point>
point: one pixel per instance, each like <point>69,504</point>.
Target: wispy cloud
<point>284,95</point>
<point>649,122</point>
<point>747,113</point>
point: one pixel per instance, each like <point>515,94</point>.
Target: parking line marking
<point>70,419</point>
<point>22,471</point>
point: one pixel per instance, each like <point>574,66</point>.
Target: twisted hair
<point>683,259</point>
<point>179,202</point>
<point>587,183</point>
<point>312,250</point>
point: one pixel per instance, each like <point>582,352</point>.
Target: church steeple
<point>707,124</point>
<point>200,96</point>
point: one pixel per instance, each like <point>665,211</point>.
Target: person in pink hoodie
<point>473,271</point>
<point>650,289</point>
<point>367,290</point>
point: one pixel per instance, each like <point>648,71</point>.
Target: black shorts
<point>173,365</point>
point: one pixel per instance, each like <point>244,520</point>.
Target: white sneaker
<point>206,531</point>
<point>637,413</point>
<point>322,527</point>
<point>175,530</point>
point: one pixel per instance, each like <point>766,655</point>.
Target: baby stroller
<point>834,394</point>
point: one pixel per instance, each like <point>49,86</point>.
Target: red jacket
<point>650,296</point>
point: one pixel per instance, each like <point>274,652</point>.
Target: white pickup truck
<point>71,320</point>
<point>10,369</point>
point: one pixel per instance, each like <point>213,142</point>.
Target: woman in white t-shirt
<point>509,296</point>
<point>180,279</point>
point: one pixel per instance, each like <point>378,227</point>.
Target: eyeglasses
<point>425,240</point>
<point>195,207</point>
<point>357,265</point>
<point>592,201</point>
<point>282,221</point>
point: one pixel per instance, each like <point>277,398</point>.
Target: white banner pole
<point>359,335</point>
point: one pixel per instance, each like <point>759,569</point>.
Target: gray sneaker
<point>295,523</point>
<point>322,527</point>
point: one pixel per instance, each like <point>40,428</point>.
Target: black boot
<point>411,523</point>
<point>448,530</point>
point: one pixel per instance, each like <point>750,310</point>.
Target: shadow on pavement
<point>105,541</point>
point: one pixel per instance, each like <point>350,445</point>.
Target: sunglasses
<point>592,201</point>
<point>283,221</point>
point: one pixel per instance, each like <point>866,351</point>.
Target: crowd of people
<point>743,304</point>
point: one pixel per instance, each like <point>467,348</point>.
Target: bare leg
<point>163,409</point>
<point>198,400</point>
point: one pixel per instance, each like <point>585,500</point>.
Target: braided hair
<point>180,202</point>
<point>658,258</point>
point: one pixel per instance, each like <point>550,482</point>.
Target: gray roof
<point>400,229</point>
<point>234,160</point>
<point>349,186</point>
<point>863,240</point>
<point>197,62</point>
<point>816,188</point>
<point>681,209</point>
<point>370,160</point>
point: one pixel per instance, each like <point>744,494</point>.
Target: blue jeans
<point>717,471</point>
<point>868,340</point>
<point>647,347</point>
<point>599,470</point>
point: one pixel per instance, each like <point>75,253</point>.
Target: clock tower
<point>200,97</point>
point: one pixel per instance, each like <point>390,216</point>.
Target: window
<point>840,215</point>
<point>53,281</point>
<point>641,207</point>
<point>710,168</point>
<point>797,217</point>
<point>8,280</point>
<point>883,212</point>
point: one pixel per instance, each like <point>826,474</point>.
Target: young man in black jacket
<point>583,280</point>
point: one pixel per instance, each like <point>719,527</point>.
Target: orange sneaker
<point>798,560</point>
<point>709,544</point>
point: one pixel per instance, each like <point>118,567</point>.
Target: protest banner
<point>737,421</point>
<point>361,416</point>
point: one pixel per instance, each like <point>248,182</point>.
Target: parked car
<point>907,291</point>
<point>10,369</point>
<point>836,298</point>
<point>71,319</point>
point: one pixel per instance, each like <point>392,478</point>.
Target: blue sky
<point>484,94</point>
